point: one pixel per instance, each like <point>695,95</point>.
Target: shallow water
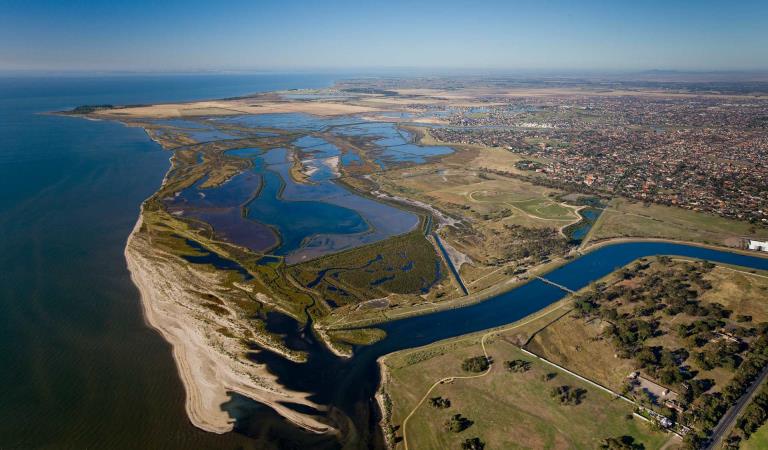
<point>579,231</point>
<point>221,207</point>
<point>207,257</point>
<point>79,368</point>
<point>297,220</point>
<point>288,121</point>
<point>322,217</point>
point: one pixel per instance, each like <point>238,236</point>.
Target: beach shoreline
<point>210,366</point>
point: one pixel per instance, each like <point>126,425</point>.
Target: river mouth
<point>348,385</point>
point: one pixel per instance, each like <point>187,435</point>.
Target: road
<point>449,262</point>
<point>729,419</point>
<point>451,379</point>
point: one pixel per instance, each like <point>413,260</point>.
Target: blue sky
<point>192,35</point>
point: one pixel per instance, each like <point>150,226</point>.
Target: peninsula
<point>296,230</point>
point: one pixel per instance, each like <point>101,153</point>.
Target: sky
<point>254,35</point>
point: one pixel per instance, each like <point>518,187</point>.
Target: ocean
<point>78,366</point>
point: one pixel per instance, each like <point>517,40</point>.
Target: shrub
<point>517,365</point>
<point>473,444</point>
<point>568,395</point>
<point>476,364</point>
<point>439,402</point>
<point>548,376</point>
<point>457,423</point>
<point>621,443</point>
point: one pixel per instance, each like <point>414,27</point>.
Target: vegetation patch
<point>506,411</point>
<point>627,218</point>
<point>682,352</point>
<point>568,395</point>
<point>476,364</point>
<point>406,264</point>
<point>358,336</point>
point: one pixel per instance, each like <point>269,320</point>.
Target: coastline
<point>210,365</point>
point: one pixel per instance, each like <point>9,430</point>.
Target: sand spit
<point>209,362</point>
<point>442,218</point>
<point>231,108</point>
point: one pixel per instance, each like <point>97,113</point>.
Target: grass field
<point>573,344</point>
<point>644,293</point>
<point>508,410</point>
<point>743,292</point>
<point>460,183</point>
<point>625,218</point>
<point>493,207</point>
<point>758,441</point>
<point>535,203</point>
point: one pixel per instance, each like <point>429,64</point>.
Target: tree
<point>548,376</point>
<point>439,402</point>
<point>517,365</point>
<point>476,364</point>
<point>457,423</point>
<point>568,395</point>
<point>621,443</point>
<point>473,444</point>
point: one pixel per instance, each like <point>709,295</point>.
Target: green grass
<point>509,410</point>
<point>758,440</point>
<point>540,207</point>
<point>624,218</point>
<point>358,336</point>
<point>403,265</point>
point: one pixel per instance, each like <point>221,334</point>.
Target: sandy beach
<point>210,364</point>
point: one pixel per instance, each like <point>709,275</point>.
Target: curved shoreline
<point>210,365</point>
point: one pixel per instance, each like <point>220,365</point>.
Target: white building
<point>758,245</point>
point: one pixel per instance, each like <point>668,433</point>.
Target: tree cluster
<point>439,402</point>
<point>568,395</point>
<point>476,364</point>
<point>621,443</point>
<point>517,365</point>
<point>457,423</point>
<point>473,444</point>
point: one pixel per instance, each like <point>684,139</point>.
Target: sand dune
<point>210,364</point>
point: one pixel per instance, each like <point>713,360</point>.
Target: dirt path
<point>468,377</point>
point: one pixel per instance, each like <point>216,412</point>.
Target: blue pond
<point>297,220</point>
<point>208,257</point>
<point>320,217</point>
<point>578,231</point>
<point>288,121</point>
<point>395,145</point>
